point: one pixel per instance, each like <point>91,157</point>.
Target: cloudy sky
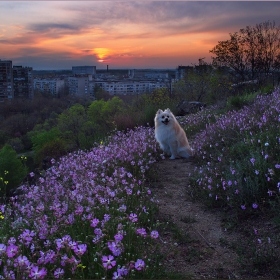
<point>122,34</point>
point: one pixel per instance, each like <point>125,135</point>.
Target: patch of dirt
<point>194,243</point>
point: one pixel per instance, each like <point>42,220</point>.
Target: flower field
<point>238,157</point>
<point>89,216</point>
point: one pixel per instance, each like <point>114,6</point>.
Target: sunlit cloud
<point>122,34</point>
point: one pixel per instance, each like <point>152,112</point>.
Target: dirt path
<point>195,243</point>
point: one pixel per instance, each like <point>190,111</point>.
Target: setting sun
<point>101,53</point>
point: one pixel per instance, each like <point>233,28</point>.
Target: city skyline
<point>129,34</point>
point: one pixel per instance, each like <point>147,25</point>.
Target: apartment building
<point>49,86</point>
<point>81,70</point>
<point>80,85</point>
<point>23,82</point>
<point>6,80</point>
<point>129,87</point>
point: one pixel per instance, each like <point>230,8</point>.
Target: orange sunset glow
<point>128,34</point>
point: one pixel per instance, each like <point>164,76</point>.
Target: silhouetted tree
<point>253,52</point>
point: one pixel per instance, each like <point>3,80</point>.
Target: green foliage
<point>16,143</point>
<point>148,104</point>
<point>41,138</point>
<point>239,101</point>
<point>54,148</point>
<point>103,113</point>
<point>70,125</point>
<point>3,138</point>
<point>203,83</point>
<point>12,169</point>
<point>267,89</point>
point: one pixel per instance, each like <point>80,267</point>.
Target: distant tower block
<point>90,70</point>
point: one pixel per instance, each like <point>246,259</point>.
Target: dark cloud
<point>45,59</point>
<point>47,27</point>
<point>173,17</point>
<point>165,13</point>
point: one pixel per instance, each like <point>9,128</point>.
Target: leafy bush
<point>12,169</point>
<point>16,143</point>
<point>53,149</point>
<point>239,101</point>
<point>148,105</point>
<point>42,138</point>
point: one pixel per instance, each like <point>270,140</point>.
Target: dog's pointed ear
<point>159,111</point>
<point>168,110</point>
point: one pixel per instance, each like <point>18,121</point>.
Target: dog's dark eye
<point>162,117</point>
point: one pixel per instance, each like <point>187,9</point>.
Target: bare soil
<point>194,243</point>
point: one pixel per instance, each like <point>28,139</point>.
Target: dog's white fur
<point>171,136</point>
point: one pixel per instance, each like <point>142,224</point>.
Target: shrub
<point>239,101</point>
<point>16,143</point>
<point>40,140</point>
<point>12,169</point>
<point>53,149</point>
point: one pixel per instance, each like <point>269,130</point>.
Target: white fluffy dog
<point>171,136</point>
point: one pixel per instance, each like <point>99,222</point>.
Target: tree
<point>203,83</point>
<point>99,93</point>
<point>70,125</point>
<point>42,138</point>
<point>102,113</point>
<point>253,52</point>
<point>12,170</point>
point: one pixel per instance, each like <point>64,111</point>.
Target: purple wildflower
<point>140,264</point>
<point>106,217</point>
<point>58,273</point>
<point>12,240</point>
<point>122,208</point>
<point>154,234</point>
<point>133,217</point>
<point>94,222</point>
<point>2,249</point>
<point>142,232</point>
<point>115,247</point>
<point>21,262</point>
<point>98,231</point>
<point>118,237</point>
<point>108,261</point>
<point>80,249</point>
<point>12,250</point>
<point>255,205</point>
<point>9,274</point>
<point>37,273</point>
